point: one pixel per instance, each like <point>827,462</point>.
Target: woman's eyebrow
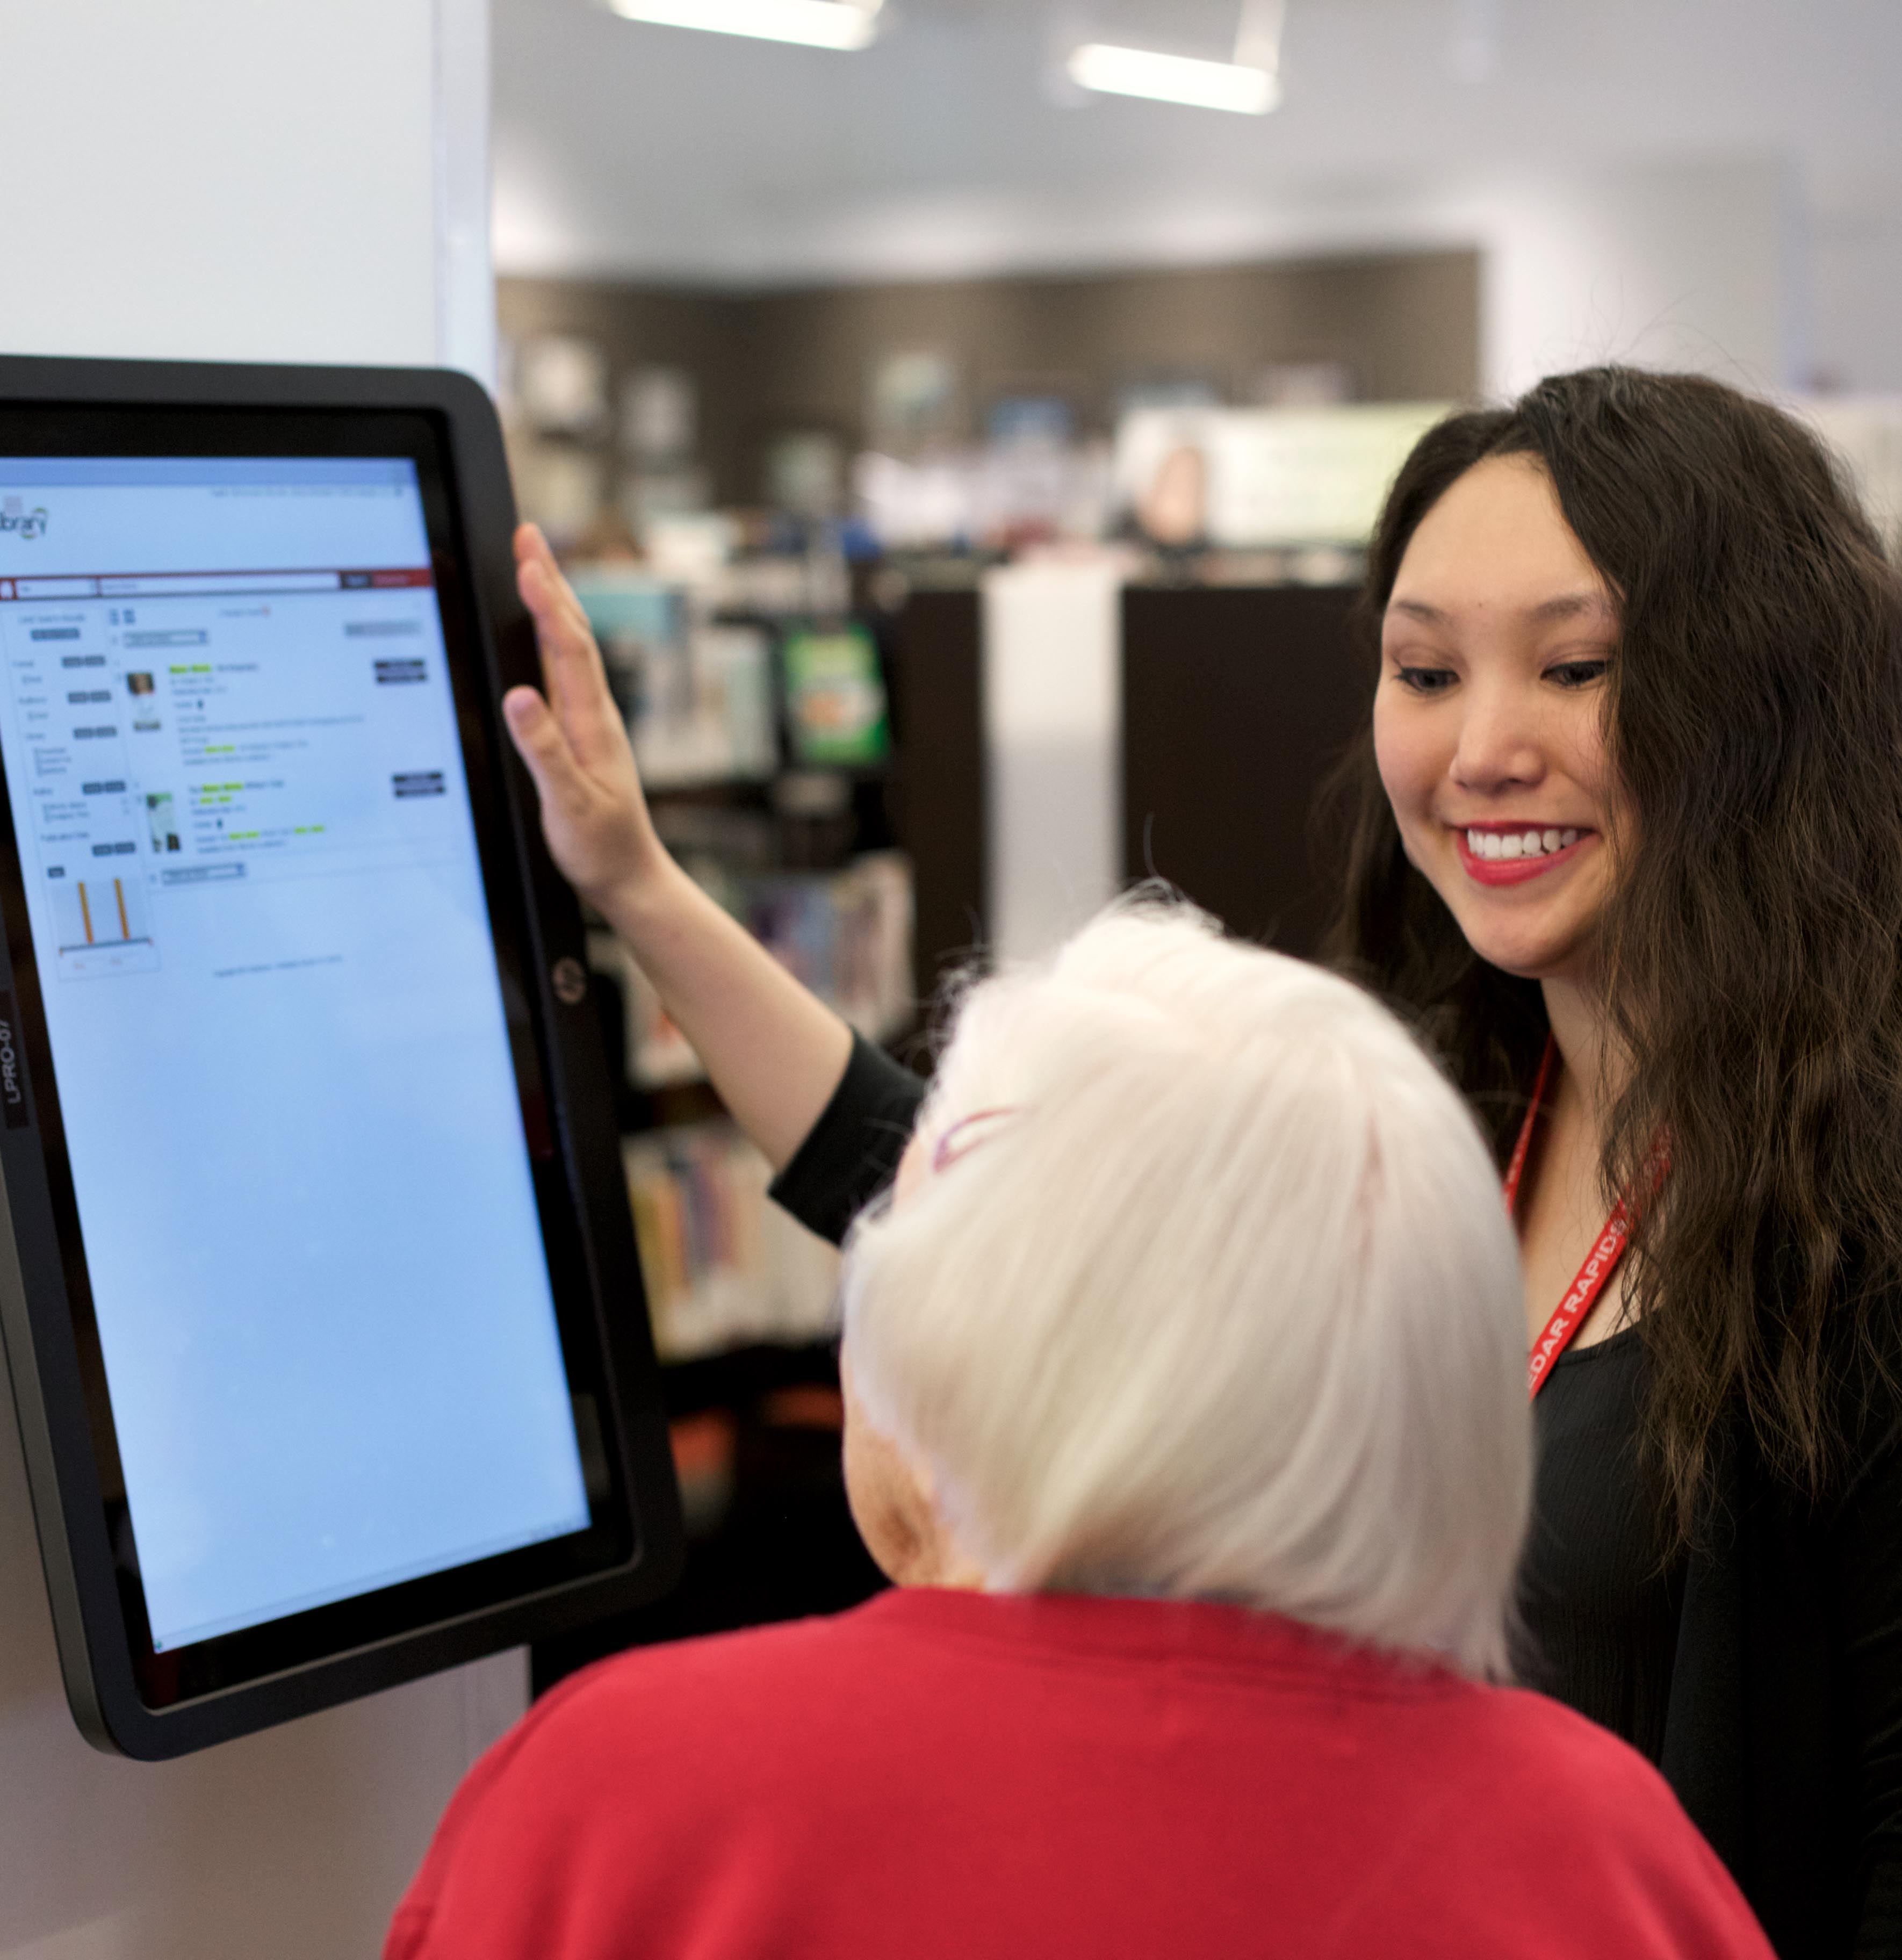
<point>1564,605</point>
<point>1573,606</point>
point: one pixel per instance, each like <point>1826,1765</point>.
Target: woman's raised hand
<point>775,1052</point>
<point>575,744</point>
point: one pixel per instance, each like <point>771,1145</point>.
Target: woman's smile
<point>1493,853</point>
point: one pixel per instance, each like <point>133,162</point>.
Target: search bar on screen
<point>212,584</point>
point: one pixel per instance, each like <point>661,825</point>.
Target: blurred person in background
<point>1627,847</point>
<point>1185,1404</point>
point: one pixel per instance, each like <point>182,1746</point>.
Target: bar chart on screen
<point>102,925</point>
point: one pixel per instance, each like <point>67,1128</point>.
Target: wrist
<point>645,899</point>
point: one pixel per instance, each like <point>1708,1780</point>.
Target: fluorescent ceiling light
<point>812,24</point>
<point>1204,84</point>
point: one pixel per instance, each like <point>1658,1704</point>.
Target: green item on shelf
<point>835,698</point>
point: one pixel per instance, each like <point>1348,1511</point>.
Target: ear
<point>894,1503</point>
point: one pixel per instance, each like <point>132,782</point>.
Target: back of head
<point>1222,1303</point>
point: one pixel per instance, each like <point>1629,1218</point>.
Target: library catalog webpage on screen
<point>277,1026</point>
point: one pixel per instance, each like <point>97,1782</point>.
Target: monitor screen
<point>276,1022</point>
<point>280,1040</point>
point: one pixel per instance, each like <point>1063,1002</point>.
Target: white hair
<point>1224,1305</point>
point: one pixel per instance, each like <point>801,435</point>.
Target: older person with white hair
<point>1186,1403</point>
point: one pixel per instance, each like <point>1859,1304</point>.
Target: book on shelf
<point>835,705</point>
<point>702,709</point>
<point>697,695</point>
<point>723,1266</point>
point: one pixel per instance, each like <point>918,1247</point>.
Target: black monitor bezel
<point>125,1696</point>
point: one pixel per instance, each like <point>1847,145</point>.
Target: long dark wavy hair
<point>1751,958</point>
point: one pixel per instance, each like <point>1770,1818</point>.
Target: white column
<point>465,267</point>
<point>1052,680</point>
<point>224,180</point>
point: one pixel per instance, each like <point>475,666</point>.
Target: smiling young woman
<point>1638,618</point>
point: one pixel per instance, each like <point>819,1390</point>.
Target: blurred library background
<point>964,437</point>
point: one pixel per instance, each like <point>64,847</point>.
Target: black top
<point>1781,1719</point>
<point>1602,1589</point>
<point>851,1153</point>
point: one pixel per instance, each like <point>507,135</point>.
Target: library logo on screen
<point>13,1094</point>
<point>28,524</point>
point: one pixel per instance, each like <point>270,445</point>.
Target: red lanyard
<point>1601,1262</point>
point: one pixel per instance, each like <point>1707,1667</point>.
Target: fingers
<point>572,671</point>
<point>556,604</point>
<point>557,614</point>
<point>561,627</point>
<point>553,604</point>
<point>543,747</point>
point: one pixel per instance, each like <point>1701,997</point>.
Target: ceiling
<point>951,146</point>
<point>944,147</point>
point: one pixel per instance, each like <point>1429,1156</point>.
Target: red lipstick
<point>1514,870</point>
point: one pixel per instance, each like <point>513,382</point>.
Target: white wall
<point>219,178</point>
<point>1856,261</point>
<point>1676,265</point>
<point>238,180</point>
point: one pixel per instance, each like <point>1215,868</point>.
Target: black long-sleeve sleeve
<point>851,1153</point>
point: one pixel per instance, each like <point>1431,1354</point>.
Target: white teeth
<point>1512,843</point>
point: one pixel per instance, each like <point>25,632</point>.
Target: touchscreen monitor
<point>295,1122</point>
